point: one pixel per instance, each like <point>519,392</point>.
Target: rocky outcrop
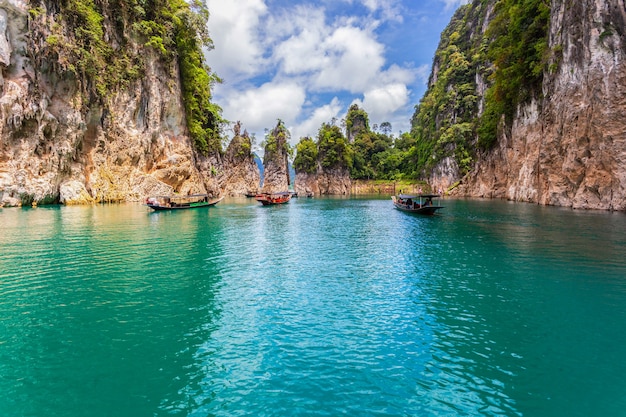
<point>240,169</point>
<point>276,177</point>
<point>324,182</point>
<point>306,184</point>
<point>567,148</point>
<point>445,175</point>
<point>60,143</point>
<point>275,160</point>
<point>334,181</point>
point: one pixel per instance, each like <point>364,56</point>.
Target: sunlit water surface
<point>318,307</point>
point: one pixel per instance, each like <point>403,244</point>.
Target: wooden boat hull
<point>428,210</point>
<point>410,207</point>
<point>183,205</point>
<point>273,199</point>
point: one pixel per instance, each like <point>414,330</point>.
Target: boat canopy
<point>278,193</point>
<point>181,196</point>
<point>407,196</point>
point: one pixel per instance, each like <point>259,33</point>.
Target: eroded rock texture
<point>569,147</point>
<point>59,142</point>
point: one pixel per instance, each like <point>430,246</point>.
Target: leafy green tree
<point>306,156</point>
<point>333,148</point>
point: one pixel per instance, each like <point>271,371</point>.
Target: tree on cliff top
<point>306,156</point>
<point>276,144</point>
<point>333,148</point>
<point>357,121</point>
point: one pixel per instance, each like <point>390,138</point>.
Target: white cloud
<point>310,126</point>
<point>381,103</point>
<point>259,108</point>
<point>302,51</point>
<point>233,26</point>
<point>340,56</point>
<point>397,74</point>
<point>352,59</point>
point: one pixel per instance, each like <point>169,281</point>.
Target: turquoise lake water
<point>320,307</point>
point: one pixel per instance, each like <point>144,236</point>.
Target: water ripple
<point>319,307</point>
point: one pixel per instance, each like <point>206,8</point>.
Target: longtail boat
<point>273,198</point>
<point>420,203</point>
<point>166,202</point>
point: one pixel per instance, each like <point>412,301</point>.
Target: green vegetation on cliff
<point>332,146</point>
<point>367,155</point>
<point>519,43</point>
<point>203,116</point>
<point>508,59</point>
<point>306,156</point>
<point>276,144</point>
<point>95,41</point>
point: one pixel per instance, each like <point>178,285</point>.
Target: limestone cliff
<point>566,144</point>
<point>306,184</point>
<point>275,160</point>
<point>241,173</point>
<point>332,181</point>
<point>322,167</point>
<point>61,141</point>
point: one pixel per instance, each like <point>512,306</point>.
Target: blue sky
<point>305,62</point>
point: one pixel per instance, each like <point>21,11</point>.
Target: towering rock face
<point>306,184</point>
<point>275,160</point>
<point>332,181</point>
<point>240,169</point>
<point>60,143</point>
<point>322,166</point>
<point>577,148</point>
<point>568,147</point>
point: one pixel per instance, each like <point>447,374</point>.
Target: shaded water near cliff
<point>318,307</point>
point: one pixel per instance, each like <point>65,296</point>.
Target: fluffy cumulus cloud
<point>234,28</point>
<point>381,102</point>
<point>323,114</point>
<point>306,61</point>
<point>301,52</point>
<point>258,108</point>
<point>352,60</point>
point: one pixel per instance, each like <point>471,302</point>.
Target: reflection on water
<point>316,307</point>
